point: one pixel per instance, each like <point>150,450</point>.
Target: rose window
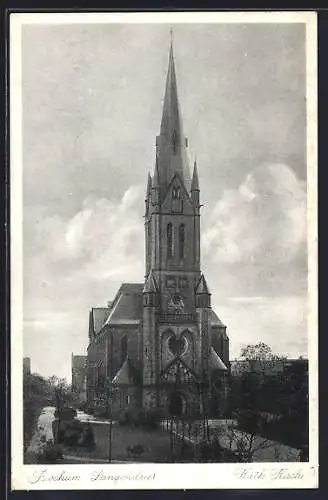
<point>177,346</point>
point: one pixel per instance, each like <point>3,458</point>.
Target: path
<point>43,431</point>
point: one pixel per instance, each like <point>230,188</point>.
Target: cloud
<point>104,234</point>
<point>263,221</point>
<point>77,263</point>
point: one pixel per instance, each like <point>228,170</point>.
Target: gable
<point>176,199</point>
<point>215,320</point>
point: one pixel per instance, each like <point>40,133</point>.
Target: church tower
<point>176,301</point>
<point>159,344</point>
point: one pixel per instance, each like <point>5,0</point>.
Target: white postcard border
<point>157,476</point>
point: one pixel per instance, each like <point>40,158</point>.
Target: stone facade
<point>160,344</point>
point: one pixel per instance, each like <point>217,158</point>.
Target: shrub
<point>68,432</point>
<point>141,417</point>
<point>50,453</point>
<point>152,418</point>
<point>88,439</point>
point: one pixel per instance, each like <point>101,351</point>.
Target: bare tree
<point>244,445</point>
<point>259,351</point>
<point>260,356</point>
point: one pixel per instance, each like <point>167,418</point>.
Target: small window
<point>176,193</point>
<point>169,240</point>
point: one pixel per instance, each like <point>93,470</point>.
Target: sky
<point>92,99</point>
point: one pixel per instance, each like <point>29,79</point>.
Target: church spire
<point>195,181</point>
<point>156,175</point>
<point>195,188</point>
<point>148,184</point>
<point>171,114</point>
<point>171,143</point>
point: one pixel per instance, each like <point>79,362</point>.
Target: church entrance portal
<point>177,404</point>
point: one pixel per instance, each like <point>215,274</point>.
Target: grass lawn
<point>156,444</point>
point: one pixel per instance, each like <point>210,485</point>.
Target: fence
<point>194,432</point>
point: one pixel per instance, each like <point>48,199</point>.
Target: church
<point>159,344</point>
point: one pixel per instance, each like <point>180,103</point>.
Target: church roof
<point>99,316</point>
<point>215,320</point>
<point>172,153</point>
<point>126,375</point>
<point>127,306</point>
<point>202,285</point>
<point>150,285</point>
<point>215,362</point>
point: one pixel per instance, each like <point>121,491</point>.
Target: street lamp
<point>202,386</point>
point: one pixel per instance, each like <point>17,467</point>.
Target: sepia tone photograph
<point>165,254</point>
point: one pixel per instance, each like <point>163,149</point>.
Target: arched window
<point>176,193</point>
<point>169,240</point>
<point>124,348</point>
<point>181,241</point>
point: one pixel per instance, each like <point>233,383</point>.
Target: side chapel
<point>160,344</point>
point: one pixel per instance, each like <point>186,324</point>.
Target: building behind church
<point>159,344</point>
<point>27,366</point>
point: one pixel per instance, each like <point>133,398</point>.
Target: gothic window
<point>177,345</point>
<point>169,240</point>
<point>177,373</point>
<point>177,202</point>
<point>181,241</point>
<point>176,193</point>
<point>124,348</point>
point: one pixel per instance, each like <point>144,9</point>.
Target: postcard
<point>163,180</point>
